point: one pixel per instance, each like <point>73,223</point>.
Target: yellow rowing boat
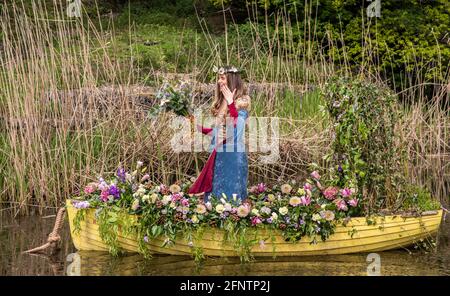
<point>384,233</point>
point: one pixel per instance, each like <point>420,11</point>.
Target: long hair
<point>234,81</point>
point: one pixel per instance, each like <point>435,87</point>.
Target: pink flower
<point>254,189</point>
<point>261,187</point>
<point>145,177</point>
<point>104,195</point>
<point>341,205</point>
<point>256,220</point>
<point>353,202</point>
<point>346,192</point>
<point>176,197</point>
<point>315,175</point>
<point>185,202</point>
<point>305,200</point>
<point>89,189</point>
<point>307,186</point>
<point>330,193</point>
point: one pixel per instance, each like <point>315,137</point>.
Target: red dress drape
<point>204,181</point>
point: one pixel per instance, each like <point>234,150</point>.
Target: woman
<point>226,171</point>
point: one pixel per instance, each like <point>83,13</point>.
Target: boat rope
<point>446,211</point>
<point>53,237</point>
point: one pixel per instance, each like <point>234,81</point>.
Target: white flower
<point>234,196</point>
<point>166,199</point>
<point>220,208</point>
<point>266,210</point>
<point>316,217</point>
<point>153,197</point>
<point>128,177</point>
<point>208,205</point>
<point>274,216</point>
<point>135,205</point>
<point>139,164</point>
<point>255,212</point>
<point>227,207</point>
<point>283,210</point>
<point>146,198</point>
<point>194,219</point>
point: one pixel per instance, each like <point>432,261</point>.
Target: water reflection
<point>17,235</point>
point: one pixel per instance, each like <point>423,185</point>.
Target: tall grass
<point>70,102</point>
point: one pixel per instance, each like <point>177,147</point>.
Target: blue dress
<point>231,163</point>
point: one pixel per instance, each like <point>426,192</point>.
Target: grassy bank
<point>60,128</point>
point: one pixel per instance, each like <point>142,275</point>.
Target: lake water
<point>22,233</point>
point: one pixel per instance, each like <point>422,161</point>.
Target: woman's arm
<point>200,128</point>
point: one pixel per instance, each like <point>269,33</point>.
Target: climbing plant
<point>365,151</point>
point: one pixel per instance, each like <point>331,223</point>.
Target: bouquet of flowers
<point>173,97</point>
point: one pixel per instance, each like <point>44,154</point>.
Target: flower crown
<point>223,70</point>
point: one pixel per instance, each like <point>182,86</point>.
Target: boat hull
<point>389,232</point>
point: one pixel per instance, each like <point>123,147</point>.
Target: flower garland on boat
<point>308,209</point>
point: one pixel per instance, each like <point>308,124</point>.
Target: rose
<point>200,209</point>
<point>330,193</point>
<point>283,210</point>
<point>327,215</point>
<point>243,211</point>
<point>294,201</point>
<point>220,208</point>
<point>286,188</point>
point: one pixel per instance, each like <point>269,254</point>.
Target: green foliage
<point>410,37</point>
<point>418,199</point>
<point>364,152</point>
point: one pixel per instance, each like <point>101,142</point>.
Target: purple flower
<point>114,191</point>
<point>269,220</point>
<point>121,175</point>
<point>146,239</point>
<point>261,187</point>
<point>256,220</point>
<point>315,175</point>
<point>305,200</point>
<point>295,225</point>
<point>81,205</point>
<point>353,202</point>
<point>346,192</point>
<point>184,202</point>
<point>340,169</point>
<point>301,222</point>
<point>287,219</point>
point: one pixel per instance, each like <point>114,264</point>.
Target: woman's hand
<point>228,95</point>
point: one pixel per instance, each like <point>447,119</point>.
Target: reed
<point>71,103</point>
